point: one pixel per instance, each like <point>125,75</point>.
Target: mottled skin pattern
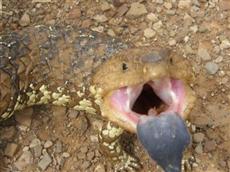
<point>44,65</point>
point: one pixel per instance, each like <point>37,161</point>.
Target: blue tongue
<point>164,137</point>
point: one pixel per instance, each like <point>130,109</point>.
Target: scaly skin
<point>57,66</point>
<point>44,65</point>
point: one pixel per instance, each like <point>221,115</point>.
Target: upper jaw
<point>123,102</point>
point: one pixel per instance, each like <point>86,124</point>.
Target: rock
<point>203,54</point>
<point>198,137</point>
<point>25,20</point>
<point>110,32</point>
<point>48,144</point>
<point>136,10</point>
<point>100,18</point>
<point>86,164</point>
<point>74,13</point>
<point>25,159</point>
<point>184,4</point>
<point>194,28</point>
<point>58,147</point>
<point>222,163</point>
<point>86,24</point>
<point>224,5</point>
<point>188,20</point>
<point>168,5</point>
<point>37,150</point>
<point>24,117</point>
<point>211,67</point>
<point>189,50</point>
<point>66,155</point>
<point>149,33</point>
<point>105,6</point>
<point>199,149</point>
<point>225,44</point>
<point>90,155</point>
<point>84,149</point>
<point>81,155</point>
<point>99,29</point>
<point>45,161</point>
<point>11,149</point>
<point>219,59</point>
<point>118,3</point>
<point>209,145</point>
<point>51,22</point>
<point>172,42</point>
<point>152,17</point>
<point>157,25</point>
<point>35,142</point>
<point>122,10</point>
<point>7,133</point>
<point>100,168</point>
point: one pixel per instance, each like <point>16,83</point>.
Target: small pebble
<point>99,168</point>
<point>35,142</point>
<point>37,150</point>
<point>198,137</point>
<point>11,149</point>
<point>25,20</point>
<point>211,67</point>
<point>48,144</point>
<point>149,33</point>
<point>66,154</point>
<point>110,32</point>
<point>136,10</point>
<point>157,25</point>
<point>100,18</point>
<point>184,4</point>
<point>25,159</point>
<point>199,149</point>
<point>152,17</point>
<point>225,44</point>
<point>84,149</point>
<point>45,162</point>
<point>203,54</point>
<point>86,164</point>
<point>209,145</point>
<point>172,42</point>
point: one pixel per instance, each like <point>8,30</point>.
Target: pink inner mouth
<point>151,98</point>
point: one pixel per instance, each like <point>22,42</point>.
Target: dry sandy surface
<point>49,139</point>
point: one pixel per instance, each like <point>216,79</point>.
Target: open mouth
<point>151,98</point>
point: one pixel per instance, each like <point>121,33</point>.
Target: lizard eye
<point>124,66</point>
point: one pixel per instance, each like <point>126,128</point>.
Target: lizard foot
<point>109,139</point>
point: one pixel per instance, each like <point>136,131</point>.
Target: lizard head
<point>142,82</point>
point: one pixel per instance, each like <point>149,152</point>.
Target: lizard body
<point>80,70</point>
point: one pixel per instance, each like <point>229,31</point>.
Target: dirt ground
<point>49,138</point>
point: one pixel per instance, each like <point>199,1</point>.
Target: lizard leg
<point>109,139</point>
